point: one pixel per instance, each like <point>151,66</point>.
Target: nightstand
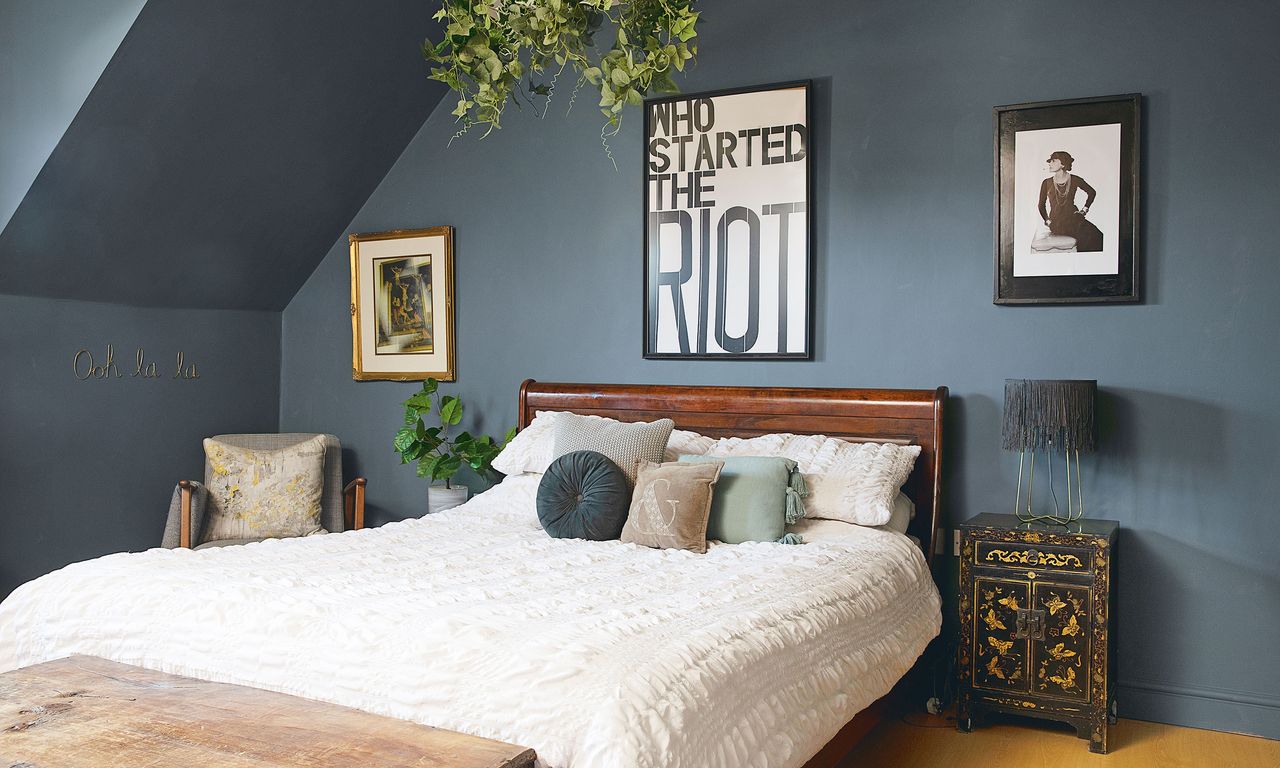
<point>1035,622</point>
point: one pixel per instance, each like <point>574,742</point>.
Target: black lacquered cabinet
<point>1036,622</point>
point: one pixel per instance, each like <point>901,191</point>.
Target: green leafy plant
<point>438,455</point>
<point>500,51</point>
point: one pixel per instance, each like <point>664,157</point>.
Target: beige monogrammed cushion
<point>259,494</point>
<point>670,505</point>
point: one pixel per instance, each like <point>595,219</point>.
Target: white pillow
<point>853,482</point>
<point>904,511</point>
<point>532,449</point>
<point>686,443</point>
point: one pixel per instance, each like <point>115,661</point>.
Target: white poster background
<point>1096,151</point>
<point>752,187</point>
<point>367,285</point>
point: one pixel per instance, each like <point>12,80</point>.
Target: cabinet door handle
<point>1029,624</point>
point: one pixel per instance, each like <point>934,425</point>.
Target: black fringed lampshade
<point>1049,414</point>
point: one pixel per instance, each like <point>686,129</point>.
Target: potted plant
<point>495,52</point>
<point>440,456</point>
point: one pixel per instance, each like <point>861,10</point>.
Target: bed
<point>596,654</point>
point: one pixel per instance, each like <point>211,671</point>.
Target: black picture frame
<point>1085,257</point>
<point>683,320</point>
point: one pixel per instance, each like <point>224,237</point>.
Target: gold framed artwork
<point>402,305</point>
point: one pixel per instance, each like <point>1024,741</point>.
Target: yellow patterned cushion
<point>256,494</point>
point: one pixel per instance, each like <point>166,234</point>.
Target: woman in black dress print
<point>1062,217</point>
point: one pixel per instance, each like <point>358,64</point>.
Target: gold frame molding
<point>358,372</point>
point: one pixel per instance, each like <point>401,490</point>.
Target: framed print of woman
<point>1065,225</point>
<point>1067,178</point>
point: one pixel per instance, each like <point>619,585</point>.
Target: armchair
<point>341,507</point>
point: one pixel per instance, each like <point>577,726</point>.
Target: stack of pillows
<point>650,484</point>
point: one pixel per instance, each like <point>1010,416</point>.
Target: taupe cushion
<point>670,505</point>
<point>263,493</point>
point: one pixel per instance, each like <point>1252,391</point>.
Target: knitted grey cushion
<point>625,444</point>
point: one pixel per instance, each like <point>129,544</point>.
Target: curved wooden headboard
<point>908,416</point>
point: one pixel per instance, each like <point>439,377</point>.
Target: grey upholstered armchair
<point>341,508</point>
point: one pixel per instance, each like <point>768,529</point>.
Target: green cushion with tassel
<point>755,498</point>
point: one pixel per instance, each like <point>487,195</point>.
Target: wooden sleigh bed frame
<point>880,415</point>
<point>907,416</point>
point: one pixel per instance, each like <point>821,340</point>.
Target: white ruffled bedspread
<point>596,654</point>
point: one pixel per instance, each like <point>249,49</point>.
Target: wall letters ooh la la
<point>86,367</point>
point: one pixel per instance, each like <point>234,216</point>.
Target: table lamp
<point>1049,416</point>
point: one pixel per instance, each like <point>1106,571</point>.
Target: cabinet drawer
<point>1003,554</point>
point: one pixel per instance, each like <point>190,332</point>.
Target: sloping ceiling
<point>53,53</point>
<point>222,151</point>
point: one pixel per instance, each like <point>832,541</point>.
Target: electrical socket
<point>955,543</point>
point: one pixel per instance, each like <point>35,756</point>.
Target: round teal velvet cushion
<point>584,495</point>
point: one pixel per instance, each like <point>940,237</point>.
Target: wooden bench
<point>88,712</point>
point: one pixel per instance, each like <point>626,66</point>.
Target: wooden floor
<point>920,740</point>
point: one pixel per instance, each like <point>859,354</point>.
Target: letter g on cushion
<point>584,495</point>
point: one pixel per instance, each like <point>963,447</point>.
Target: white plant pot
<point>440,498</point>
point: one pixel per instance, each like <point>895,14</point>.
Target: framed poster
<point>728,225</point>
<point>402,305</point>
<point>1066,197</point>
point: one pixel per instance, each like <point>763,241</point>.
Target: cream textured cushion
<point>671,505</point>
<point>256,494</point>
<point>533,448</point>
<point>685,443</point>
<point>626,444</point>
<point>853,482</point>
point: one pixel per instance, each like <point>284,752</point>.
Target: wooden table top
<point>88,712</point>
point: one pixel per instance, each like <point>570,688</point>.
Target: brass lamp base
<point>1075,506</point>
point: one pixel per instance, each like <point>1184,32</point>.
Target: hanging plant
<point>500,51</point>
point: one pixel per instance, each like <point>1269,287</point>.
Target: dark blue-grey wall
<point>221,150</point>
<point>548,286</point>
<point>87,467</point>
<point>54,51</point>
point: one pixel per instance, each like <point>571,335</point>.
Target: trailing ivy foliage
<point>439,456</point>
<point>500,51</point>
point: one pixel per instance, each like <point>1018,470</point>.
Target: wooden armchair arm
<point>353,504</point>
<point>184,525</point>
